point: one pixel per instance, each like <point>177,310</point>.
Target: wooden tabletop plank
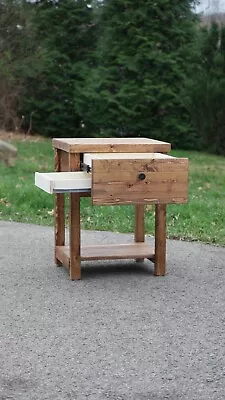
<point>109,145</point>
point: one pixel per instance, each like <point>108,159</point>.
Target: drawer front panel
<point>150,181</point>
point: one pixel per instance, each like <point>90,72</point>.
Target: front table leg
<point>75,265</point>
<point>160,240</point>
<point>59,223</point>
<point>59,214</point>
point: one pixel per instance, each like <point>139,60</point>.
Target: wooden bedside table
<point>134,171</point>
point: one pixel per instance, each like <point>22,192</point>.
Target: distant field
<point>203,218</point>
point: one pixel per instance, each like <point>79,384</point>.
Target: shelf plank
<point>108,252</point>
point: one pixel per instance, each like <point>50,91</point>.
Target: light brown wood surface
<point>160,240</point>
<point>64,161</point>
<point>107,145</point>
<point>108,252</point>
<point>117,181</point>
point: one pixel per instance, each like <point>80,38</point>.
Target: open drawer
<point>124,178</point>
<point>62,182</point>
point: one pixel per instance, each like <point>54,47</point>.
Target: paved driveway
<point>118,334</point>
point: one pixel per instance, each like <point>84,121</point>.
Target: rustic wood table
<point>125,179</point>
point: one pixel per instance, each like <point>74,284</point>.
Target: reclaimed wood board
<point>107,252</point>
<point>111,145</point>
<point>163,181</point>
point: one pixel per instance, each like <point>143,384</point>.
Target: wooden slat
<point>108,145</point>
<point>88,157</point>
<point>63,255</point>
<point>131,177</point>
<point>109,252</point>
<point>117,181</point>
<point>128,166</point>
<point>64,161</point>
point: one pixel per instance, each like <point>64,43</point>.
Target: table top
<point>111,145</point>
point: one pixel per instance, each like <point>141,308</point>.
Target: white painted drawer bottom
<point>61,182</point>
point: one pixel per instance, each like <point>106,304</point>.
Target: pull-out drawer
<point>123,178</point>
<point>159,180</point>
<point>61,182</point>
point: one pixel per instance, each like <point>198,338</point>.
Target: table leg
<point>160,240</point>
<point>75,264</point>
<point>59,214</point>
<point>139,232</point>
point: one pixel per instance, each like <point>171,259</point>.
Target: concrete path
<point>120,333</point>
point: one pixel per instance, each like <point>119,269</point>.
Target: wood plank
<point>88,157</point>
<point>110,252</point>
<point>138,200</point>
<point>63,255</point>
<point>59,211</point>
<point>117,181</point>
<point>160,240</point>
<point>132,177</point>
<point>64,161</point>
<point>147,165</point>
<point>108,145</point>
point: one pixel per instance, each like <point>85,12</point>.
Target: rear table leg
<point>139,233</point>
<point>160,240</point>
<point>75,264</point>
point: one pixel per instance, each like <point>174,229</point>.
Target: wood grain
<point>64,161</point>
<point>108,252</point>
<point>117,181</point>
<point>108,145</point>
<point>160,240</point>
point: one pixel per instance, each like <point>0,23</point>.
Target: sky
<point>211,6</point>
<point>205,6</point>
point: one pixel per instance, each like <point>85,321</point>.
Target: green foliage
<point>16,58</point>
<point>206,91</point>
<point>115,67</point>
<point>136,85</point>
<point>64,37</point>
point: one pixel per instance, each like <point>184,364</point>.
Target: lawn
<point>203,218</point>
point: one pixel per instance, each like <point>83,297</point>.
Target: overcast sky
<point>211,6</point>
<point>205,6</point>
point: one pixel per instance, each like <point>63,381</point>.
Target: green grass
<point>203,218</point>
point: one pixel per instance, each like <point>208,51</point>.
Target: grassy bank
<point>203,218</point>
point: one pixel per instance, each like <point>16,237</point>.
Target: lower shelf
<point>107,252</point>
